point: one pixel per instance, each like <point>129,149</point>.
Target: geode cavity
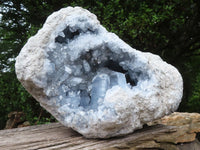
<point>92,81</point>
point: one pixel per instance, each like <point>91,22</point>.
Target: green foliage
<point>170,29</point>
<point>8,101</point>
<point>194,100</point>
<point>13,97</point>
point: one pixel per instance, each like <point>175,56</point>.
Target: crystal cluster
<point>92,81</point>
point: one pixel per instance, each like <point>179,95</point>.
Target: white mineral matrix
<point>92,81</point>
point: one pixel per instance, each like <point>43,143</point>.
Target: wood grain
<point>54,136</point>
<point>174,132</point>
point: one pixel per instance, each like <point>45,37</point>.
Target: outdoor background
<point>169,28</point>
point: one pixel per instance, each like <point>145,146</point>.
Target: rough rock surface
<point>92,81</point>
<point>187,125</point>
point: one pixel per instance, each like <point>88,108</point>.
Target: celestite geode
<point>92,81</point>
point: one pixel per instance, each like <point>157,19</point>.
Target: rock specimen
<point>92,81</point>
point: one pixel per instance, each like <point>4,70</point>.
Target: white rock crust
<point>65,67</point>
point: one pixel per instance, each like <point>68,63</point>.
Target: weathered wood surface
<point>54,136</point>
<point>57,137</point>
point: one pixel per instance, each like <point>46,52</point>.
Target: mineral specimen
<point>92,81</point>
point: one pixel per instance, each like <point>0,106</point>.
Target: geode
<point>92,81</point>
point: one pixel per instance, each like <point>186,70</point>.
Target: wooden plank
<point>55,136</point>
